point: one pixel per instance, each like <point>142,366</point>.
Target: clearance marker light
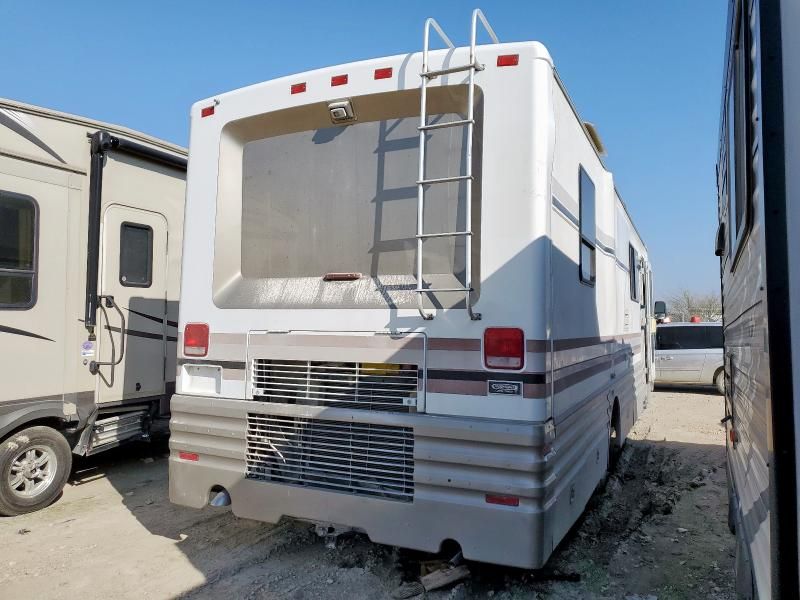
<point>207,111</point>
<point>385,73</point>
<point>502,500</point>
<point>338,80</point>
<point>188,455</point>
<point>508,60</point>
<point>298,88</point>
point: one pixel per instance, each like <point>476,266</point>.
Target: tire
<point>34,466</point>
<point>719,381</point>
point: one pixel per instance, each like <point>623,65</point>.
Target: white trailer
<point>91,219</point>
<point>413,303</point>
<point>759,250</point>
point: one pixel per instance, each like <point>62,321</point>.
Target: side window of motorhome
<point>633,272</point>
<point>587,217</point>
<point>689,337</point>
<point>135,255</point>
<point>17,251</point>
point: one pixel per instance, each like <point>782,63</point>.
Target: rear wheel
<point>614,445</point>
<point>719,381</point>
<point>34,466</point>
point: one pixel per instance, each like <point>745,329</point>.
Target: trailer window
<point>135,255</point>
<point>18,230</point>
<point>588,233</point>
<point>633,272</point>
<point>740,139</point>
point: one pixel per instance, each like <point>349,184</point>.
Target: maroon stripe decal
<point>458,344</point>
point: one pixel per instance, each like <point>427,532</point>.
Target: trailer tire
<point>719,381</point>
<point>34,466</point>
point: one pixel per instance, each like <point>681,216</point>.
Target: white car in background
<point>690,354</point>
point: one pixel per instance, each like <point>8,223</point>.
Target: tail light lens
<point>503,348</point>
<point>195,339</point>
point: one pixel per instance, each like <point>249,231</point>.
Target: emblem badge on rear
<point>505,388</point>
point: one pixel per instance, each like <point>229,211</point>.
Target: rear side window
<point>588,233</point>
<point>633,272</point>
<point>135,255</point>
<point>688,338</point>
<point>18,229</point>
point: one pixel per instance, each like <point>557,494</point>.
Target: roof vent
<point>595,137</point>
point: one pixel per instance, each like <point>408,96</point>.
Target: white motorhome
<point>91,219</point>
<point>758,244</point>
<point>413,304</point>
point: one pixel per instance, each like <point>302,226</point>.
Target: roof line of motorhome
<point>91,123</point>
<point>594,148</point>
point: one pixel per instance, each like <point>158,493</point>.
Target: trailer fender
<point>17,413</point>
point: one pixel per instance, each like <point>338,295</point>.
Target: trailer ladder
<point>422,183</point>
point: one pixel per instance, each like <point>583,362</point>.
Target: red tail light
<point>195,339</point>
<point>188,455</point>
<point>503,348</point>
<point>508,60</point>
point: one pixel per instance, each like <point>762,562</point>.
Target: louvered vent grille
<point>369,386</point>
<point>339,456</point>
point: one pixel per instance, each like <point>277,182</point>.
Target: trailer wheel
<point>719,381</point>
<point>34,466</point>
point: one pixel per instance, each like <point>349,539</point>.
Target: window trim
<point>582,239</point>
<point>742,111</point>
<point>34,272</point>
<point>149,230</point>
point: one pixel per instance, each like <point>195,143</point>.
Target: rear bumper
<point>457,461</point>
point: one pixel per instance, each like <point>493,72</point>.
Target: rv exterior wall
<point>288,364</point>
<point>45,346</point>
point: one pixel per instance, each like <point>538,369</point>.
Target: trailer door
<point>133,273</point>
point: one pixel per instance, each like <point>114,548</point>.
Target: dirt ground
<point>657,530</point>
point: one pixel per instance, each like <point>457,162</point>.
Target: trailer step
<point>112,431</point>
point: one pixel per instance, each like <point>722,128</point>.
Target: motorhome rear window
<point>693,337</point>
<point>17,251</point>
<point>332,199</point>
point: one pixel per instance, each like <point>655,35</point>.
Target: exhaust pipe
<point>222,498</point>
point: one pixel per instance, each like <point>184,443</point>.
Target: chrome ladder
<point>422,183</point>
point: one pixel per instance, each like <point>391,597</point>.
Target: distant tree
<point>685,304</point>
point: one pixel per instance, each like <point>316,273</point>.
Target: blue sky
<point>647,74</point>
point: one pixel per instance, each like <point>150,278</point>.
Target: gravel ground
<point>657,530</point>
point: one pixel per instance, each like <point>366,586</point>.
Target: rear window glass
<point>343,199</point>
<point>688,338</point>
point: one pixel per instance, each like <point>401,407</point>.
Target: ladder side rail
<point>477,14</point>
<point>423,121</point>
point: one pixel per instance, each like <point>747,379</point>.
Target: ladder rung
<point>443,234</point>
<point>448,124</point>
<point>444,179</point>
<point>447,71</point>
<point>437,290</point>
